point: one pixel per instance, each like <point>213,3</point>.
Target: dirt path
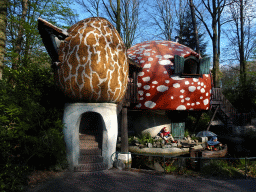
<point>117,180</point>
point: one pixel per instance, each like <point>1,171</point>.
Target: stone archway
<point>75,115</point>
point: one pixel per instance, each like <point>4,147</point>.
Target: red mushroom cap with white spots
<point>158,86</point>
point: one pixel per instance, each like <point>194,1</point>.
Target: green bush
<point>30,124</point>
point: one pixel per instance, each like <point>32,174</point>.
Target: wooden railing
<point>229,109</point>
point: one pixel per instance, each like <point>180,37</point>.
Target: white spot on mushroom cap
<point>187,98</point>
<point>202,84</point>
<point>140,92</point>
<point>201,97</point>
<point>139,84</point>
<point>146,87</point>
<point>182,101</point>
<point>141,98</point>
<point>207,94</point>
<point>198,87</point>
<point>206,101</point>
<point>171,97</point>
<point>191,109</point>
<point>146,79</point>
<point>198,103</point>
<point>142,61</point>
<point>177,78</point>
<point>176,85</point>
<point>202,90</point>
<point>139,105</point>
<point>192,104</point>
<point>165,72</point>
<point>182,90</point>
<point>195,79</point>
<point>159,56</point>
<point>150,59</point>
<point>147,54</point>
<point>141,74</point>
<point>167,81</point>
<point>181,107</point>
<point>168,56</point>
<point>192,88</point>
<point>164,62</point>
<point>154,82</point>
<point>147,94</point>
<point>186,82</point>
<point>147,66</point>
<point>181,96</point>
<point>179,49</point>
<point>162,88</point>
<point>188,104</point>
<point>150,104</point>
<point>206,75</point>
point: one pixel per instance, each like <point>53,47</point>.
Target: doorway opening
<point>91,127</point>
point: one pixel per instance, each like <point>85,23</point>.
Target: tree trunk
<point>194,25</point>
<point>118,17</point>
<point>215,46</point>
<point>124,132</point>
<point>3,22</point>
<point>241,46</point>
<point>20,34</point>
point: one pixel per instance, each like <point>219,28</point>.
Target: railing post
<point>164,165</point>
<point>245,168</point>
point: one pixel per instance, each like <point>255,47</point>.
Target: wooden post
<point>124,131</point>
<point>212,118</point>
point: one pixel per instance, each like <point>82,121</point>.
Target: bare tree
<point>192,9</point>
<point>129,18</point>
<point>3,22</point>
<point>92,6</point>
<point>164,18</point>
<point>241,34</point>
<point>215,9</point>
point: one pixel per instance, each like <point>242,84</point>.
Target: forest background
<point>31,107</point>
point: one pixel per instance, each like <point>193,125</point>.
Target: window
<point>191,66</point>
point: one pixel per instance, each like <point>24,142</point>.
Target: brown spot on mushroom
<point>73,61</point>
<point>79,76</point>
<point>86,90</point>
<point>91,39</point>
<point>66,69</point>
<point>75,86</point>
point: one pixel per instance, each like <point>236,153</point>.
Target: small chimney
<point>177,38</point>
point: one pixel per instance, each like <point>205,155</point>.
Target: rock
<point>158,167</point>
<point>149,145</point>
<point>174,145</point>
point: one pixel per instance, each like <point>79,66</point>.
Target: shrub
<point>30,124</point>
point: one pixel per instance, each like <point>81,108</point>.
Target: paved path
<point>126,181</point>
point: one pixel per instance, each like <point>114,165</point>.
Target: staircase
<point>227,112</point>
<point>90,153</point>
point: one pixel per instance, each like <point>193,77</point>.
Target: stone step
<point>88,136</point>
<point>90,151</point>
<point>90,159</point>
<point>91,167</point>
<point>85,145</point>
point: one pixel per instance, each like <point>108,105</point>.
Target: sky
<point>148,32</point>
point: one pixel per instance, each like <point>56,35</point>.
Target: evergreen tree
<point>187,36</point>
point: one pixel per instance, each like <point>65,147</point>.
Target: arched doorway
<point>91,129</point>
